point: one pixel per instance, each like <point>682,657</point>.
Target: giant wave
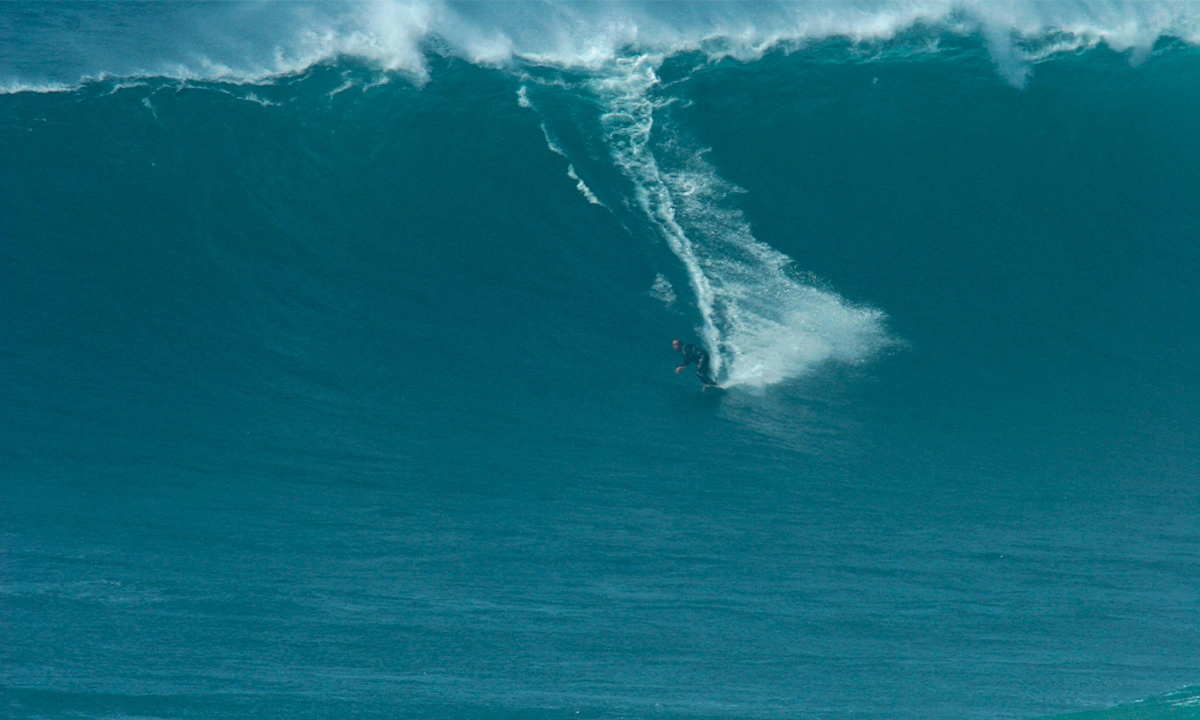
<point>761,321</point>
<point>336,375</point>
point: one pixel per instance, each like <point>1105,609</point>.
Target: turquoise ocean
<point>336,378</point>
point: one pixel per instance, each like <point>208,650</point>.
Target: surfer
<point>692,354</point>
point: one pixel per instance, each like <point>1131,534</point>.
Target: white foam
<point>251,97</point>
<point>662,290</point>
<point>251,43</point>
<point>582,187</point>
<point>591,35</point>
<point>117,87</point>
<point>347,83</point>
<point>524,101</point>
<point>760,323</point>
<point>16,86</point>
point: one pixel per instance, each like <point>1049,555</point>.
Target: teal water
<point>1180,704</point>
<point>346,390</point>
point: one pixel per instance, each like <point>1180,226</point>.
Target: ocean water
<point>336,379</point>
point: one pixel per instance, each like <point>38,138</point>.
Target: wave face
<point>337,374</point>
<point>761,323</point>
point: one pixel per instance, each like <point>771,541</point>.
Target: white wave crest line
<point>760,325</point>
<point>398,35</point>
<point>17,88</point>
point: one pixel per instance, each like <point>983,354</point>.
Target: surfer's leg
<point>702,371</point>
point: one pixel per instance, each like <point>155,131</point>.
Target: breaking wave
<point>53,47</point>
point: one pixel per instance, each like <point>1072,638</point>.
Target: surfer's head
<point>675,343</point>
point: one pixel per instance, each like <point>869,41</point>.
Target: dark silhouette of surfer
<point>692,354</point>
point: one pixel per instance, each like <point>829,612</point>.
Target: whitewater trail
<point>760,323</point>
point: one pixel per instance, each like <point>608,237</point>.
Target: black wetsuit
<point>692,354</point>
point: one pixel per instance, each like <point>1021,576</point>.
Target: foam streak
<point>760,324</point>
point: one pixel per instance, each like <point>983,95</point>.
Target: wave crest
<point>251,42</point>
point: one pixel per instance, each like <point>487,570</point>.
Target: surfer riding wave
<point>692,354</point>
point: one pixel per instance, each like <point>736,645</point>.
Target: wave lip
<point>251,42</point>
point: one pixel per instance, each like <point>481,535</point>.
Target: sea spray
<point>759,321</point>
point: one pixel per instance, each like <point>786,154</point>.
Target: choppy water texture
<point>336,377</point>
